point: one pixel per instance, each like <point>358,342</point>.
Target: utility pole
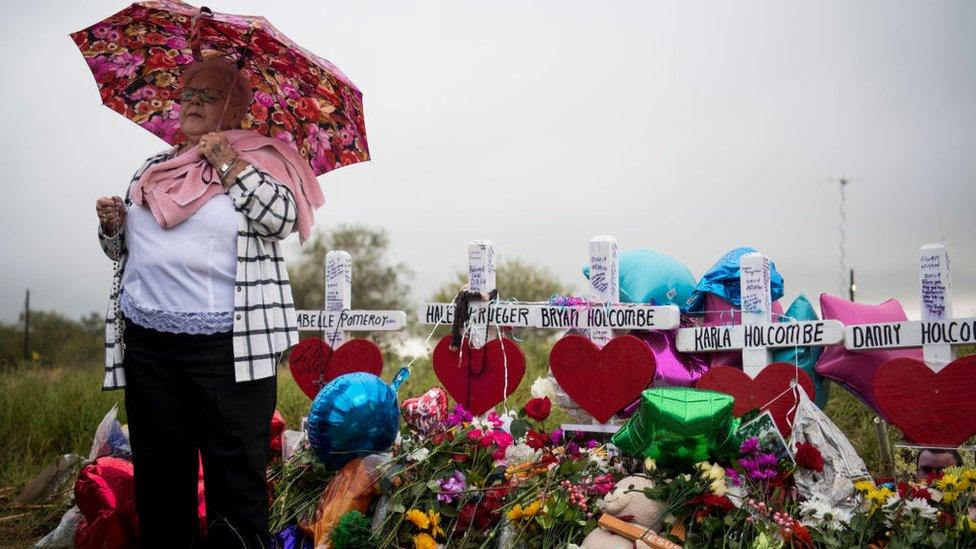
<point>27,326</point>
<point>843,235</point>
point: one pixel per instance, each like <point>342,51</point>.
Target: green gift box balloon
<point>680,426</point>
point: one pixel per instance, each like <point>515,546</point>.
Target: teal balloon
<point>652,277</point>
<point>354,415</point>
<point>805,357</point>
<point>680,426</point>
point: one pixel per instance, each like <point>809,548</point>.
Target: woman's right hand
<point>111,214</point>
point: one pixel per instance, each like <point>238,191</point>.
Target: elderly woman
<point>201,310</point>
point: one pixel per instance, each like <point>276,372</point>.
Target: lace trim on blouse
<point>205,322</point>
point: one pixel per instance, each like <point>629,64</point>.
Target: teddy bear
<point>628,503</point>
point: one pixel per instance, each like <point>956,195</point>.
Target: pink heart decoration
<point>476,378</point>
<point>602,381</point>
<point>769,391</point>
<point>931,409</point>
<point>426,413</point>
<point>314,363</point>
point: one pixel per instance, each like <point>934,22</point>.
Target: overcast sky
<point>688,128</point>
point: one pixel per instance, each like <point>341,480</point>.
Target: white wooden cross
<point>758,334</point>
<point>483,315</point>
<point>606,313</point>
<point>337,318</point>
<point>603,316</point>
<point>936,332</point>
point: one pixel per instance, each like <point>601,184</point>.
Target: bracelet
<point>226,167</point>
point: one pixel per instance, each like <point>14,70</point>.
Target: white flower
<point>718,487</point>
<point>918,508</point>
<point>817,511</point>
<point>518,454</point>
<point>418,454</point>
<point>599,459</point>
<point>543,387</point>
<point>650,464</point>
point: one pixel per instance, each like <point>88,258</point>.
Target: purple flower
<point>749,445</point>
<point>733,476</point>
<point>459,416</point>
<point>557,436</point>
<point>591,444</point>
<point>452,487</point>
<point>572,449</point>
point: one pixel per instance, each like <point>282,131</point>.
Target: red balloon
<point>105,495</point>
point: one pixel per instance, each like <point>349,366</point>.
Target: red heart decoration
<point>934,409</point>
<point>314,363</point>
<point>771,383</point>
<point>602,381</point>
<point>475,378</point>
<point>426,413</point>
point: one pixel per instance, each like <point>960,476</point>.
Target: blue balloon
<point>804,357</point>
<point>354,415</point>
<point>723,280</point>
<point>652,277</point>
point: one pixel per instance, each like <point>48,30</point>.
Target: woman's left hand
<point>216,149</point>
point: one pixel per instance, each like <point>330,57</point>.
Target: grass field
<point>47,412</point>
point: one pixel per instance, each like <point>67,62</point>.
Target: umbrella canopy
<point>138,55</point>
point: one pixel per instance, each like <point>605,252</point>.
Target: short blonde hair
<point>236,85</point>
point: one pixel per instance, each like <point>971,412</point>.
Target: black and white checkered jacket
<point>264,312</point>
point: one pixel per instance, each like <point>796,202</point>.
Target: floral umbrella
<point>138,55</point>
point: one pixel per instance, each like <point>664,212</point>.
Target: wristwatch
<point>224,168</point>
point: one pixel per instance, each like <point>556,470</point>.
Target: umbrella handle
<point>195,31</point>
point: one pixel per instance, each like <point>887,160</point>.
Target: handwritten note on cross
<point>336,319</point>
<point>483,315</point>
<point>936,332</point>
<point>758,333</point>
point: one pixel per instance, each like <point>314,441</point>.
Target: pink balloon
<point>674,369</point>
<point>855,370</point>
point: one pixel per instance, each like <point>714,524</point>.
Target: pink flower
<point>165,128</point>
<point>494,420</point>
<point>101,31</point>
<point>126,64</point>
<point>176,42</point>
<point>264,99</point>
<point>475,435</point>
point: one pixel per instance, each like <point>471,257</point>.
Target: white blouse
<point>181,280</point>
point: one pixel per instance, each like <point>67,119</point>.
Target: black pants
<point>181,401</point>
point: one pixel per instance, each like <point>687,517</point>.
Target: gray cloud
<point>684,128</point>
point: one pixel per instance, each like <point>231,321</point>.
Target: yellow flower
<point>435,523</point>
<point>949,484</point>
<point>968,474</point>
<point>424,541</point>
<point>515,513</point>
<point>718,487</point>
<point>864,485</point>
<point>533,508</point>
<point>650,465</point>
<point>418,518</point>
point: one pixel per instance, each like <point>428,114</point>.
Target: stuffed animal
<point>626,502</point>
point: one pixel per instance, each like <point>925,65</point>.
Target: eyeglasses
<point>207,96</point>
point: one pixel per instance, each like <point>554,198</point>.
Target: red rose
<point>808,457</point>
<point>259,111</point>
<point>538,408</point>
<point>536,440</point>
<point>307,109</point>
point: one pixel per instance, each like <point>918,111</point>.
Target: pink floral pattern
<point>137,57</point>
